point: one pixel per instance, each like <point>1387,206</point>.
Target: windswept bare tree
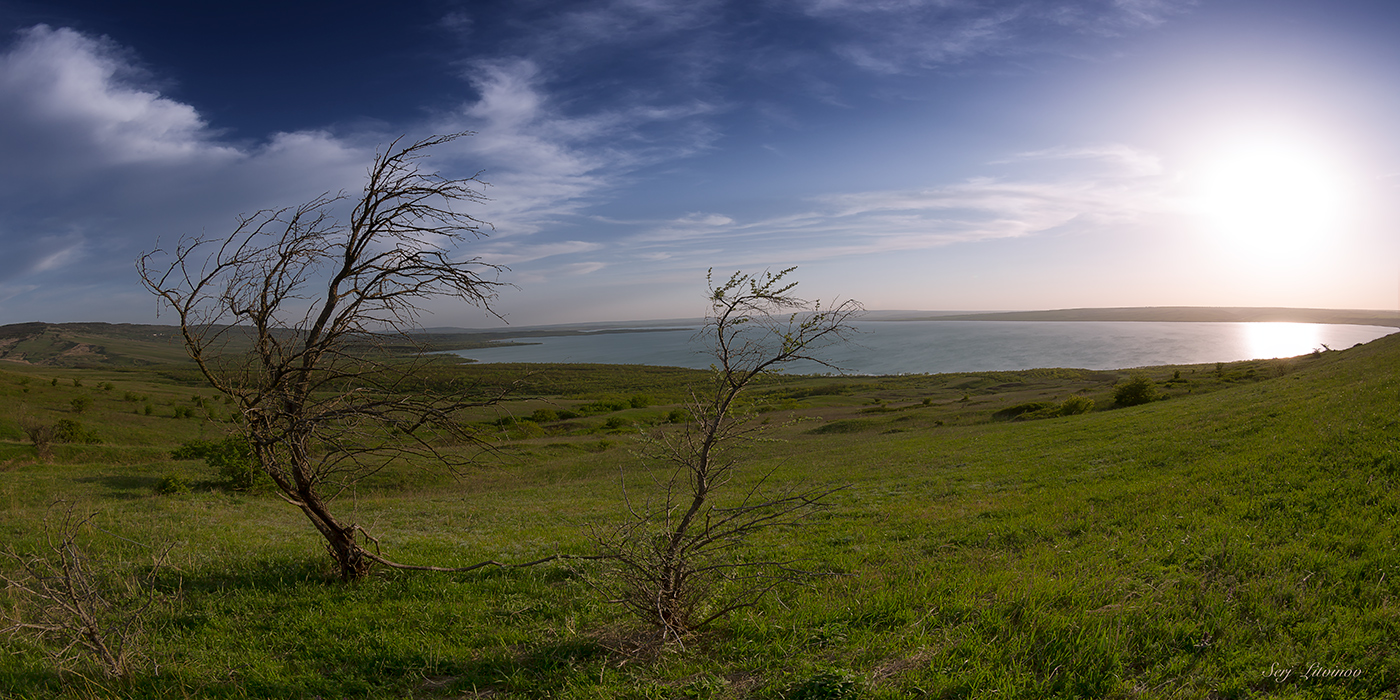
<point>675,561</point>
<point>289,316</point>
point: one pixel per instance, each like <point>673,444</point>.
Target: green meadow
<point>1234,539</point>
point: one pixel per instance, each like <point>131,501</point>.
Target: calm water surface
<point>911,347</point>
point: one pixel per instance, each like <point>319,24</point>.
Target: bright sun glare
<point>1271,196</point>
<point>1281,339</point>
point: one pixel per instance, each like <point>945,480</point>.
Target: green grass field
<point>1218,543</point>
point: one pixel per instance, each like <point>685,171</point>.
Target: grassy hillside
<point>1199,546</point>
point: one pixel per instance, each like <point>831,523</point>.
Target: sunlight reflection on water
<point>1267,340</point>
<point>912,347</point>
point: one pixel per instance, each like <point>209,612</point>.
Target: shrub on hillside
<point>69,430</point>
<point>1033,410</point>
<point>1021,410</point>
<point>231,457</point>
<point>617,423</point>
<point>173,484</point>
<point>1138,390</point>
<point>1076,405</point>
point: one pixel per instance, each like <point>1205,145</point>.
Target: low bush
<point>69,430</point>
<point>1076,405</point>
<point>232,458</point>
<point>1034,410</point>
<point>610,404</point>
<point>1136,391</point>
<point>173,484</point>
<point>1021,409</point>
<point>617,423</point>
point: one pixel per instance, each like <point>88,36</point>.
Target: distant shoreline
<point>1181,314</point>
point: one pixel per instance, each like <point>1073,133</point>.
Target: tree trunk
<point>348,555</point>
<point>341,542</point>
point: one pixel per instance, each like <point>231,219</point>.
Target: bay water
<point>917,347</point>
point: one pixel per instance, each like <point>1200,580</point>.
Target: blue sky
<point>940,154</point>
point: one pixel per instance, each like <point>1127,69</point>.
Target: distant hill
<point>131,345</point>
<point>1193,314</point>
<point>96,344</point>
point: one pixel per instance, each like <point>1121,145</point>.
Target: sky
<point>910,154</point>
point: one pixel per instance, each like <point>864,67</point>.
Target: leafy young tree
<point>1136,391</point>
<point>289,316</point>
<point>674,561</point>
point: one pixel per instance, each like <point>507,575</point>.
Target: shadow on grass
<point>278,574</point>
<point>542,671</point>
<point>275,575</point>
<point>124,485</point>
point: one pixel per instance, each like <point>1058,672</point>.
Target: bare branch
<point>289,316</point>
<point>672,562</point>
<point>77,605</point>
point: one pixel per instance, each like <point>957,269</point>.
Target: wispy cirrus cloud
<point>514,253</point>
<point>900,36</point>
<point>978,209</point>
<point>1129,161</point>
<point>544,163</point>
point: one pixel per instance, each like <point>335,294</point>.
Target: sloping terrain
<point>1235,540</point>
<point>89,344</point>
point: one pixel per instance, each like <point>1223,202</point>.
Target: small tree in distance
<point>1136,391</point>
<point>288,315</point>
<point>674,562</point>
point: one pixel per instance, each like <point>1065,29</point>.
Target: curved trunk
<point>341,542</point>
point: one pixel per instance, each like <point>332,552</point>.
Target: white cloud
<point>59,258</point>
<point>74,93</point>
<point>533,279</point>
<point>100,161</point>
<point>545,165</point>
<point>1132,161</point>
<point>582,268</point>
<point>508,254</point>
<point>858,223</point>
<point>900,36</point>
<point>97,166</point>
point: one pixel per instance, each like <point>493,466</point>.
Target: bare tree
<point>77,605</point>
<point>675,560</point>
<point>291,314</point>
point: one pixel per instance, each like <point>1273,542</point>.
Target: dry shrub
<point>74,605</point>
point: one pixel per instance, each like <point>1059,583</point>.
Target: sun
<point>1271,195</point>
